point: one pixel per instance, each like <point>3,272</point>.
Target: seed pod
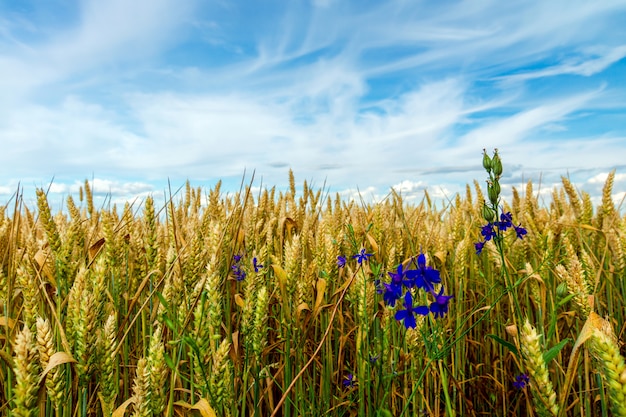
<point>496,164</point>
<point>493,189</point>
<point>488,213</point>
<point>486,161</point>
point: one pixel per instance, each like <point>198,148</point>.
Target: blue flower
<point>380,286</point>
<point>362,256</point>
<point>348,381</point>
<point>393,290</point>
<point>424,276</point>
<point>237,258</point>
<point>396,278</point>
<point>520,231</point>
<point>239,273</point>
<point>392,293</point>
<point>506,221</point>
<point>407,313</point>
<point>488,231</point>
<point>479,247</point>
<point>256,264</point>
<point>341,261</point>
<point>440,306</point>
<point>521,381</point>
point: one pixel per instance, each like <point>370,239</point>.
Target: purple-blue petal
<point>479,247</point>
<point>421,310</point>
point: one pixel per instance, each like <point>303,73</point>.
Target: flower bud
<point>488,213</point>
<point>493,190</point>
<point>486,161</point>
<point>496,164</point>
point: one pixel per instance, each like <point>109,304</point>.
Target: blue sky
<point>363,95</point>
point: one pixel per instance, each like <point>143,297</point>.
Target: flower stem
<point>444,382</point>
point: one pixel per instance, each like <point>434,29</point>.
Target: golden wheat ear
<point>55,378</point>
<point>26,374</point>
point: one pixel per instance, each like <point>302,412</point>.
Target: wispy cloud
<point>357,95</point>
<point>583,65</point>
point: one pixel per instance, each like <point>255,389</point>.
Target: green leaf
<point>189,341</point>
<point>565,300</point>
<point>551,354</point>
<point>163,300</point>
<point>169,362</point>
<point>510,346</point>
<point>169,323</point>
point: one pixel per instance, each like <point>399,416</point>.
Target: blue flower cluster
<point>494,229</point>
<point>238,270</point>
<point>401,287</point>
<point>422,277</point>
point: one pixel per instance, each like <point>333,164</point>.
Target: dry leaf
<point>205,408</point>
<point>95,249</point>
<point>41,257</point>
<point>320,289</point>
<point>121,410</point>
<point>59,358</point>
<point>239,300</point>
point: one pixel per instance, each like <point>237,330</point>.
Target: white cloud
<point>408,186</point>
<point>506,131</point>
<point>108,34</point>
<point>105,186</point>
<point>56,188</point>
<point>366,96</point>
<point>586,67</point>
<point>603,176</point>
<point>4,190</point>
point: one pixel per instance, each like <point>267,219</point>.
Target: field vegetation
<point>295,304</point>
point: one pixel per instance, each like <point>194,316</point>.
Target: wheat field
<point>241,304</point>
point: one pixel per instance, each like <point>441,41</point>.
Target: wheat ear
<point>543,393</point>
<point>141,390</point>
<point>55,381</point>
<point>26,375</point>
<point>604,348</point>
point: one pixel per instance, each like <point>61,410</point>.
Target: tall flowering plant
<point>527,345</point>
<point>498,222</point>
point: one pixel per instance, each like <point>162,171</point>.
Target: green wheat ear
<point>544,395</point>
<point>604,347</point>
